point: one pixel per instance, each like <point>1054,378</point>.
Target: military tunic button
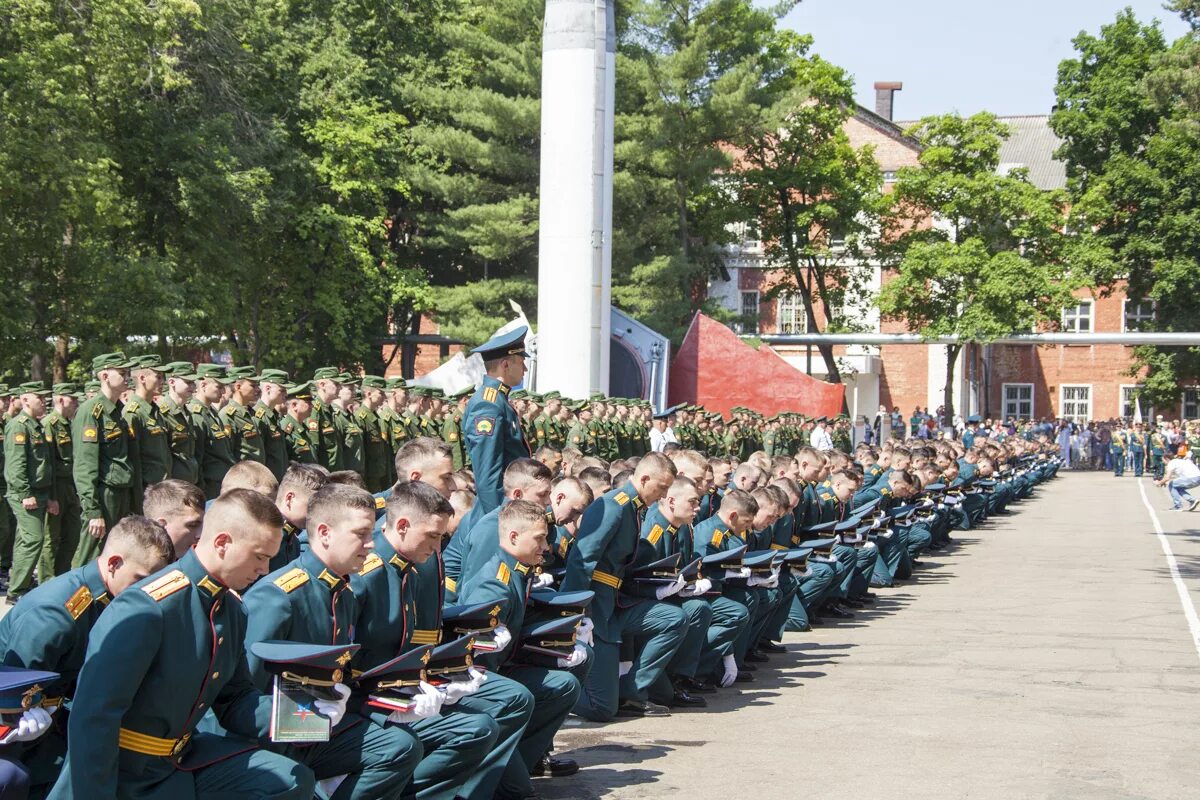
<point>220,640</point>
<point>216,675</point>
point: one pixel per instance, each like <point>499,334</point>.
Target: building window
<point>1078,318</point>
<point>1018,400</point>
<point>889,176</point>
<point>1191,403</point>
<point>749,313</point>
<point>1138,314</point>
<point>1129,404</point>
<point>789,313</point>
<point>1075,403</point>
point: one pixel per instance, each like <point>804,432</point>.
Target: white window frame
<point>1062,402</point>
<point>1016,403</point>
<point>796,303</point>
<point>743,316</point>
<point>1125,313</point>
<point>1183,403</point>
<point>1147,413</point>
<point>1068,327</point>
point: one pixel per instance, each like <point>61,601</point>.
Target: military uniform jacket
<point>301,602</point>
<point>559,540</point>
<point>1137,441</point>
<point>148,427</point>
<point>49,628</point>
<point>59,429</point>
<point>452,435</point>
<point>711,537</point>
<point>471,545</point>
<point>605,547</point>
<point>271,436</point>
<point>296,439</point>
<point>162,654</point>
<point>376,453</point>
<point>494,439</point>
<point>351,439</point>
<point>659,540</point>
<point>398,604</point>
<point>103,452</point>
<point>244,438</point>
<point>217,452</point>
<point>323,435</point>
<point>503,577</point>
<point>1118,441</point>
<point>28,458</point>
<point>580,438</point>
<point>184,438</point>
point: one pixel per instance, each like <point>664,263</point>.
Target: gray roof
<point>1032,145</point>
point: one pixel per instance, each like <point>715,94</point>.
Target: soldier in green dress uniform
<point>322,426</point>
<point>376,452</point>
<point>353,440</point>
<point>272,389</point>
<point>1158,447</point>
<point>217,454</point>
<point>103,451</point>
<point>186,440</point>
<point>64,527</point>
<point>29,473</point>
<point>1117,448</point>
<point>244,438</point>
<point>452,426</point>
<point>148,427</point>
<point>296,424</point>
<point>1137,448</point>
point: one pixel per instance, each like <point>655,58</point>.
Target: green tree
<point>1129,113</point>
<point>971,253</point>
<point>816,196</point>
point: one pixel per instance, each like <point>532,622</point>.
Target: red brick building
<point>1077,381</point>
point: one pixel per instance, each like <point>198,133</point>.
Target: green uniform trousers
<point>378,761</point>
<point>653,631</point>
<point>64,528</point>
<point>8,528</point>
<point>453,744</point>
<point>115,505</point>
<point>32,529</point>
<point>511,705</point>
<point>697,617</point>
<point>729,619</point>
<point>555,692</point>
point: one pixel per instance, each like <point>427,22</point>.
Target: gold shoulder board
<point>167,585</point>
<point>372,563</point>
<point>79,602</point>
<point>292,580</point>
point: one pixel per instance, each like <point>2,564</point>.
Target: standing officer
<point>452,426</point>
<point>1137,448</point>
<point>376,454</point>
<point>103,451</point>
<point>353,440</point>
<point>490,425</point>
<point>217,451</point>
<point>322,429</point>
<point>244,438</point>
<point>148,427</point>
<point>29,472</point>
<point>7,523</point>
<point>1117,448</point>
<point>1158,447</point>
<point>186,439</point>
<point>64,527</point>
<point>296,432</point>
<point>272,389</point>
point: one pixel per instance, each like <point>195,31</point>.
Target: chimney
<point>885,92</point>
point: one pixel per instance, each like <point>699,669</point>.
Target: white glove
<point>757,581</point>
<point>577,657</point>
<point>663,592</point>
<point>544,580</point>
<point>426,704</point>
<point>742,572</point>
<point>700,587</point>
<point>459,688</point>
<point>583,633</point>
<point>731,671</point>
<point>624,667</point>
<point>334,709</point>
<point>33,723</point>
<point>502,636</point>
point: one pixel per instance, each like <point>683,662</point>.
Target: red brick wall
<point>428,357</point>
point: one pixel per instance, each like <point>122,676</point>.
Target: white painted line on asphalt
<point>1185,599</point>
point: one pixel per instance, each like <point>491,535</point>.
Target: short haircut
<point>656,464</point>
<point>598,479</point>
<point>418,451</point>
<point>747,470</point>
<point>250,475</point>
<point>245,502</point>
<point>524,472</point>
<point>574,485</point>
<point>764,497</point>
<point>546,451</point>
<point>782,464</point>
<point>462,501</point>
<point>166,498</point>
<point>682,482</point>
<point>690,458</point>
<point>414,500</point>
<point>789,486</point>
<point>623,477</point>
<point>333,500</point>
<point>141,537</point>
<point>671,447</point>
<point>740,501</point>
<point>302,478</point>
<point>347,477</point>
<point>520,514</point>
<point>777,494</point>
<point>809,455</point>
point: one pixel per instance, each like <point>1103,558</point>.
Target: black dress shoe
<point>853,603</point>
<point>747,667</point>
<point>870,597</point>
<point>772,647</point>
<point>756,657</point>
<point>743,677</point>
<point>839,613</point>
<point>693,686</point>
<point>554,767</point>
<point>682,699</point>
<point>642,708</point>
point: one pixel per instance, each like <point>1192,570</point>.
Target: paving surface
<point>1046,655</point>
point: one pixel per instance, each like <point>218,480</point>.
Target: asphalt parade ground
<point>1052,653</point>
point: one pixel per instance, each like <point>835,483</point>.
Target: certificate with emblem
<point>294,716</point>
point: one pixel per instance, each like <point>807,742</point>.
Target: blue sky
<point>965,56</point>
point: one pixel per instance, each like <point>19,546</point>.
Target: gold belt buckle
<point>180,744</point>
